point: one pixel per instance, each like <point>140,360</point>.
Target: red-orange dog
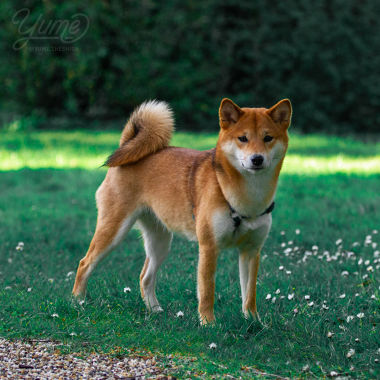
<point>221,198</point>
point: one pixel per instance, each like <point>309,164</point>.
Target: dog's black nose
<point>257,160</point>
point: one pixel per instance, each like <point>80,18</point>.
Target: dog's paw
<point>77,300</point>
<point>207,321</point>
<point>156,309</point>
<point>254,317</point>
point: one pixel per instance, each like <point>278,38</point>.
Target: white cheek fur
<point>234,153</point>
<point>241,161</point>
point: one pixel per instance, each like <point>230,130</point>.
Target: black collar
<point>237,218</point>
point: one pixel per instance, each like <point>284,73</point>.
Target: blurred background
<point>66,64</point>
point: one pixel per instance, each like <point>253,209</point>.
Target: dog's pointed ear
<point>281,113</point>
<point>229,113</point>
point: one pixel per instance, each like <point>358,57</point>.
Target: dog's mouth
<point>252,169</point>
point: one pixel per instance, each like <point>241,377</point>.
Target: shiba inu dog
<point>221,198</point>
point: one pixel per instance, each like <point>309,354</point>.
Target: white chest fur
<point>256,189</point>
<point>249,235</point>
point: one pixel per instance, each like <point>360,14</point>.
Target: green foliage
<point>53,212</point>
<point>321,54</point>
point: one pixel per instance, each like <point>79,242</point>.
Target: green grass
<point>329,189</point>
<point>311,155</point>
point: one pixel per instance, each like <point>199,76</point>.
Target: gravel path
<point>41,360</point>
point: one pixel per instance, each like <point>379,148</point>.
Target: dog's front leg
<point>249,267</point>
<point>206,282</point>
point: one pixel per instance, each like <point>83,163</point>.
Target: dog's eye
<point>243,138</point>
<point>268,138</point>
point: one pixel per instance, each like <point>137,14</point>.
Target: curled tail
<point>148,130</point>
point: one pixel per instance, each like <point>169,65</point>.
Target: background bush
<point>322,54</point>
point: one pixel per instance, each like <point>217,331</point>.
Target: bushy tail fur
<point>148,130</point>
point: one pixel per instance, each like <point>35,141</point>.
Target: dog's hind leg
<point>113,224</point>
<point>157,240</point>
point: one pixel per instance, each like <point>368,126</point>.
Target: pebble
<point>42,360</point>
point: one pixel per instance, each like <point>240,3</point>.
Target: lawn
<point>319,283</point>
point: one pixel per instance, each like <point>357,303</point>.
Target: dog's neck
<point>248,193</point>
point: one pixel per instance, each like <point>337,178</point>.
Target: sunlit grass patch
<point>88,150</point>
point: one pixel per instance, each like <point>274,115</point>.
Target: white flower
<point>314,248</point>
<point>180,314</point>
<point>357,294</point>
<point>268,297</point>
<point>290,242</point>
<point>283,245</point>
<point>73,334</point>
<point>349,318</point>
<point>306,367</point>
<point>288,272</point>
<point>350,353</point>
<point>81,302</point>
<point>311,303</point>
<point>278,291</point>
<point>344,273</point>
<point>375,232</point>
<point>282,232</point>
<point>295,311</point>
<point>281,268</point>
<point>366,262</point>
<point>355,244</point>
<point>20,246</point>
<point>290,296</point>
<point>339,241</point>
<point>357,340</point>
<point>55,315</point>
<point>298,231</point>
<point>370,268</point>
<point>127,290</point>
<point>51,280</point>
<point>29,289</point>
<point>342,295</point>
<point>307,297</point>
<point>365,276</point>
<point>274,299</point>
<point>360,261</point>
<point>373,297</point>
<point>360,315</point>
<point>374,245</point>
<point>324,306</point>
<point>330,334</point>
<point>376,254</point>
<point>212,346</point>
<point>69,274</point>
<point>8,288</point>
<point>333,373</point>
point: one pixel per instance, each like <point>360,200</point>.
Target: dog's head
<point>254,139</point>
